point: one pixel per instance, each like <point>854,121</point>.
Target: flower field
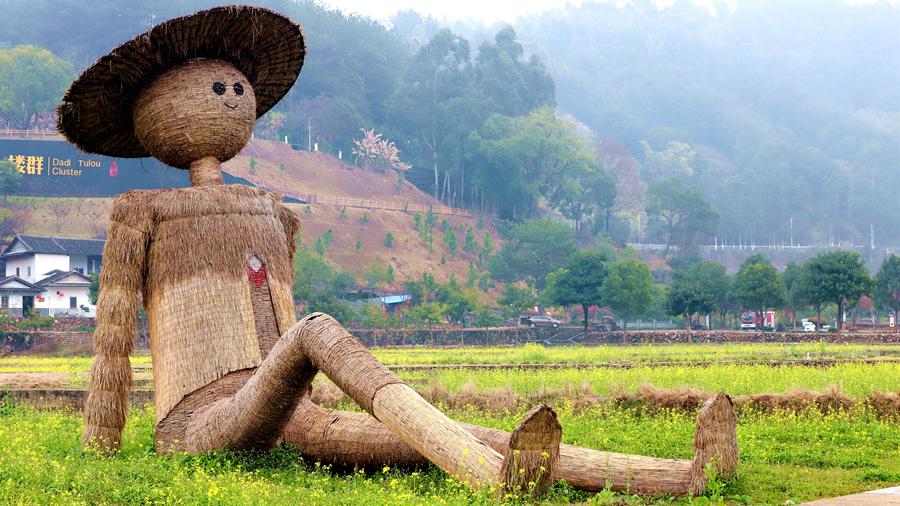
<point>787,456</point>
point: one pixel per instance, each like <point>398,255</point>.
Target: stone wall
<point>82,342</point>
<point>71,399</point>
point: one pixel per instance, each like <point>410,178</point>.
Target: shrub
<point>36,322</point>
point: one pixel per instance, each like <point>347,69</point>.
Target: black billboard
<point>56,168</point>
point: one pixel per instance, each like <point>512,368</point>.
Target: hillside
<point>278,167</point>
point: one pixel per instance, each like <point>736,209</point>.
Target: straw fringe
<point>715,441</point>
<point>111,373</point>
<point>109,409</point>
<point>120,281</point>
<point>221,225</point>
<point>103,439</point>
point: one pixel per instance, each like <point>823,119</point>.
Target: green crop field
<point>787,456</point>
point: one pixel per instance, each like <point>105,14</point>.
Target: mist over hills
<point>785,114</point>
<point>792,109</point>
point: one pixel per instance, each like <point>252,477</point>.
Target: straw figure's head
<point>188,90</point>
<point>200,109</point>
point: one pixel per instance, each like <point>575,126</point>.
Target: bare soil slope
<point>277,166</point>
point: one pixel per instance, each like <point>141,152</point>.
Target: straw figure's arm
<point>121,278</point>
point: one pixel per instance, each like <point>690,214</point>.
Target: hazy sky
<point>489,11</point>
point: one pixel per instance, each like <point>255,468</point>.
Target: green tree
<point>9,179</point>
<point>887,285</point>
<point>429,312</point>
<point>758,285</point>
<point>628,288</point>
<point>578,283</point>
<point>516,299</point>
<point>458,302</point>
<point>793,302</point>
<point>388,240</point>
<point>423,289</point>
<point>436,104</point>
<point>451,241</point>
<point>686,216</point>
<point>487,244</point>
<point>697,288</point>
<point>713,279</point>
<point>521,160</point>
<point>805,292</point>
<point>32,80</point>
<point>535,249</point>
<point>509,84</point>
<point>841,278</point>
<point>318,284</point>
<point>470,244</point>
<point>375,276</point>
<point>94,289</point>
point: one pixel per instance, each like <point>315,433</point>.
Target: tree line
<point>476,127</point>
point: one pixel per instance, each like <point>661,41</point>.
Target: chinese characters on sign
<point>31,165</point>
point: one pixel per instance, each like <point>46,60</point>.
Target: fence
<point>12,133</point>
<point>378,204</point>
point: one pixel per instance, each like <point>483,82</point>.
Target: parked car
<point>698,326</point>
<point>543,321</point>
<point>808,326</point>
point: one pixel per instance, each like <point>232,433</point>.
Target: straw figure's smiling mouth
<point>235,106</point>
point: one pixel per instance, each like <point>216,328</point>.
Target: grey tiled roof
<point>55,275</point>
<point>57,245</point>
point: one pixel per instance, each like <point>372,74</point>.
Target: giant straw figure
<point>213,266</point>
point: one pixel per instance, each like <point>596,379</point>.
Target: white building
<point>49,275</point>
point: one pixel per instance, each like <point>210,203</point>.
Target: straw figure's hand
<point>121,278</point>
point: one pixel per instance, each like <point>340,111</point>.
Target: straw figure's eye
<point>219,88</point>
<point>238,89</point>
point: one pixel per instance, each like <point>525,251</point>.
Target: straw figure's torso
<point>217,278</point>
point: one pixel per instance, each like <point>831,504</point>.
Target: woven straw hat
<point>267,47</point>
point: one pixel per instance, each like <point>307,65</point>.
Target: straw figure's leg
<point>358,440</point>
<point>371,385</point>
<point>254,417</point>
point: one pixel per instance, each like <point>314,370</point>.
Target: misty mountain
<point>790,109</point>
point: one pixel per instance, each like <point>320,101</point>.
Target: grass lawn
<point>784,457</point>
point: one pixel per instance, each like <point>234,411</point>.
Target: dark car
<point>543,321</point>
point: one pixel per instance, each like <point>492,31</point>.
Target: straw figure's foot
<point>715,442</point>
<point>532,458</point>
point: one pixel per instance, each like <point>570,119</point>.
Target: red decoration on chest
<point>257,278</point>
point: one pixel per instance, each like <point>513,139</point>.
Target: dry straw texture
<point>715,441</point>
<point>533,454</point>
<point>187,251</point>
<point>359,440</point>
<point>368,382</point>
<point>264,46</point>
